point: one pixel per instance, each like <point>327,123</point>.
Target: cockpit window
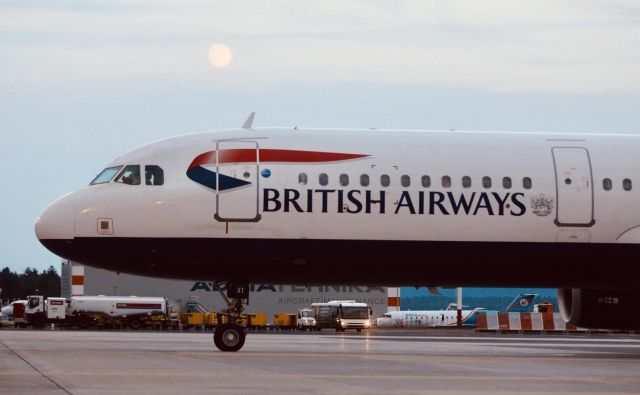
<point>153,175</point>
<point>106,175</point>
<point>129,175</point>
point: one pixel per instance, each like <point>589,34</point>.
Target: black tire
<point>134,324</point>
<point>229,337</point>
<point>83,323</point>
<point>37,321</point>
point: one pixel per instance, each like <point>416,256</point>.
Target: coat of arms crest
<point>542,205</point>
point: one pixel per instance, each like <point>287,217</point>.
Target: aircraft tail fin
<point>521,304</point>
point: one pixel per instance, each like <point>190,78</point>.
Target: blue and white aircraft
<point>449,317</point>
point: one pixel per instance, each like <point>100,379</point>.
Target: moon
<point>219,55</point>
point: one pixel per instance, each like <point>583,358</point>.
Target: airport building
<point>78,279</point>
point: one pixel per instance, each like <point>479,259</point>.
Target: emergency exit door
<point>574,186</point>
<point>237,164</point>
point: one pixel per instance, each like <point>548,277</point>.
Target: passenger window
<point>129,175</point>
<point>466,181</point>
<point>486,182</point>
<point>323,179</point>
<point>344,180</point>
<point>153,175</point>
<point>364,180</point>
<point>626,184</point>
<point>302,178</point>
<point>405,180</point>
<point>385,180</point>
<point>426,181</point>
<point>607,184</point>
<point>526,183</point>
<point>446,181</point>
<point>506,182</point>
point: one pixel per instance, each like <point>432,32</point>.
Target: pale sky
<point>83,82</point>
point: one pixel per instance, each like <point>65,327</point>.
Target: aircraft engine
<point>600,308</point>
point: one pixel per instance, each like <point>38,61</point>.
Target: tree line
<point>30,282</point>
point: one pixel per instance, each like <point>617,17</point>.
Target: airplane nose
<point>56,221</point>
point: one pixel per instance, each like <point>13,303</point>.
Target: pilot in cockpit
<point>131,178</point>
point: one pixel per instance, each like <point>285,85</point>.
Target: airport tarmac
<point>380,361</point>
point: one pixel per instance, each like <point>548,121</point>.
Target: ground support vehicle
<point>326,315</point>
<point>257,321</point>
<point>213,319</point>
<point>196,321</point>
<point>306,320</point>
<point>98,311</point>
<point>342,315</point>
<point>284,321</point>
<point>13,313</point>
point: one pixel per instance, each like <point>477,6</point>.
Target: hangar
<point>78,279</point>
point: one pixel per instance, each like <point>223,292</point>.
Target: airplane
<point>448,317</point>
<point>377,207</point>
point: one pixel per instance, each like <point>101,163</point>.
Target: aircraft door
<point>237,181</point>
<point>574,186</point>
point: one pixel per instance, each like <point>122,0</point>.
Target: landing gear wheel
<point>229,337</point>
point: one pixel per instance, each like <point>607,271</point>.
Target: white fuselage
<point>385,202</point>
<point>424,318</point>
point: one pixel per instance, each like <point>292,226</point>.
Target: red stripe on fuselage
<point>243,155</point>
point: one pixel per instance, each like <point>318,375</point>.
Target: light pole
<point>459,320</point>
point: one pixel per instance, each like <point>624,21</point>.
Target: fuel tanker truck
<point>98,311</point>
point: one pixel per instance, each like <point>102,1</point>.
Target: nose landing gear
<point>231,336</point>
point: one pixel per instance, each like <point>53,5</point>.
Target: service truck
<point>306,320</point>
<point>13,313</point>
<point>342,315</point>
<point>90,311</point>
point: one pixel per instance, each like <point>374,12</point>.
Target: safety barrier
<point>522,322</point>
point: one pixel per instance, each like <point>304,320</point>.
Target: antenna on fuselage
<point>248,124</point>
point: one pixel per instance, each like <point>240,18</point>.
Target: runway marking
<point>485,338</point>
<point>39,372</point>
<point>254,375</point>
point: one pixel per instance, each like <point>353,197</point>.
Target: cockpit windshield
<point>355,312</point>
<point>106,175</point>
<point>130,175</point>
